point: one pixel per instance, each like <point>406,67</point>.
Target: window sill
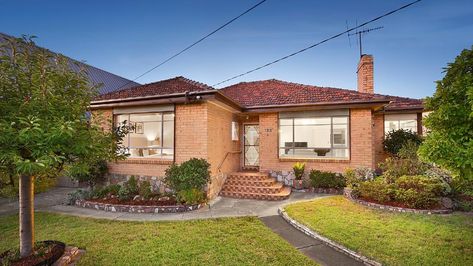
<point>320,160</point>
<point>160,161</point>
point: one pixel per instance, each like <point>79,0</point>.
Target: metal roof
<point>109,82</point>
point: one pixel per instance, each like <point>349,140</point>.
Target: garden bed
<point>44,253</point>
<point>150,207</point>
<point>392,206</point>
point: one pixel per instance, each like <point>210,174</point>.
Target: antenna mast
<point>360,34</point>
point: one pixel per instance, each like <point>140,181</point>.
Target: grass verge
<point>390,238</point>
<point>229,241</point>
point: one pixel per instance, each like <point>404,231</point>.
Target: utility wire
<point>319,43</point>
<point>195,43</point>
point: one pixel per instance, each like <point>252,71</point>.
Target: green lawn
<point>231,241</point>
<point>390,238</point>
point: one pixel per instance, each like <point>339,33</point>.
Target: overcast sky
<point>129,37</point>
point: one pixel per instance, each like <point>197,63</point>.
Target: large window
<point>400,121</point>
<point>314,134</point>
<point>153,134</point>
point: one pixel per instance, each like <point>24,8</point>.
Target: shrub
<point>191,196</point>
<point>355,176</point>
<point>321,179</point>
<point>94,175</point>
<point>124,193</point>
<point>299,169</point>
<point>113,189</point>
<point>193,173</point>
<point>418,191</point>
<point>396,139</point>
<point>377,190</point>
<point>145,190</point>
<point>132,185</point>
<point>77,195</point>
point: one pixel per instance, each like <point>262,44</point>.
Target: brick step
<point>248,176</point>
<point>274,189</point>
<point>251,183</point>
<point>282,195</point>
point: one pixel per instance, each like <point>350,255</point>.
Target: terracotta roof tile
<point>277,92</point>
<point>163,87</point>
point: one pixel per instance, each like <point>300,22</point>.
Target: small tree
<point>449,143</point>
<point>44,125</point>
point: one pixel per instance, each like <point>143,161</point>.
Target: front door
<point>251,146</point>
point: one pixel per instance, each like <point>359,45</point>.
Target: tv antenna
<point>360,38</point>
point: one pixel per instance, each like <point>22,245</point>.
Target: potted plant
<point>299,169</point>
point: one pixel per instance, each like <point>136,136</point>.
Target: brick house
<point>265,126</point>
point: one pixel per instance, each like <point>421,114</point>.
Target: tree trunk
<point>26,215</point>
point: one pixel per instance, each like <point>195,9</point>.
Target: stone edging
<point>347,194</point>
<point>137,208</point>
<point>304,229</point>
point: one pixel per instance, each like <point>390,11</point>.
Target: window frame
<point>323,114</point>
<point>162,147</point>
<point>398,121</point>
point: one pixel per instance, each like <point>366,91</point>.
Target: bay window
<point>314,134</point>
<point>400,121</point>
<point>152,135</point>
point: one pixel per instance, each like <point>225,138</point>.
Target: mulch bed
<point>116,201</point>
<point>45,253</point>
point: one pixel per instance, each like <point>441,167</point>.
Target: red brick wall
<point>365,74</point>
<point>190,132</point>
<point>361,143</point>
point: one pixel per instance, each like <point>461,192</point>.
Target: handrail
<point>224,158</point>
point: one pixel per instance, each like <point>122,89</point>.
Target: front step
<point>282,195</point>
<point>254,185</point>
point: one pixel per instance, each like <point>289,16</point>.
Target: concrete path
<point>43,201</point>
<point>311,247</point>
<point>221,207</point>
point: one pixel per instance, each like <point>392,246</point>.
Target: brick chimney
<point>365,74</point>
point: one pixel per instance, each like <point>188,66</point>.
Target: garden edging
<point>137,208</point>
<point>304,229</point>
<point>348,195</point>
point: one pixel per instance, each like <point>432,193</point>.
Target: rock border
<point>348,195</point>
<point>304,229</point>
<point>136,208</point>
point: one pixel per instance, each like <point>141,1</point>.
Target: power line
<point>319,43</point>
<point>195,43</point>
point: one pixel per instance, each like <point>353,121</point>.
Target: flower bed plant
<point>322,179</point>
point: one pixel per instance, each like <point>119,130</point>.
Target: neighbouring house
<point>265,126</point>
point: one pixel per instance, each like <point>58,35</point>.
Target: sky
<point>128,38</point>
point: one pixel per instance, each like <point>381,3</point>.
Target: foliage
<point>396,139</point>
<point>449,143</point>
<point>406,163</point>
<point>124,193</point>
<point>322,179</point>
<point>412,191</point>
<point>41,184</point>
<point>191,196</point>
<point>193,173</point>
<point>355,176</point>
<point>299,169</point>
<point>79,194</point>
<point>94,174</point>
<point>377,190</point>
<point>462,194</point>
<point>390,238</point>
<point>132,185</point>
<point>144,189</point>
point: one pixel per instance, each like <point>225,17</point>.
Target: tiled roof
<point>277,92</point>
<point>109,82</point>
<point>163,87</point>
